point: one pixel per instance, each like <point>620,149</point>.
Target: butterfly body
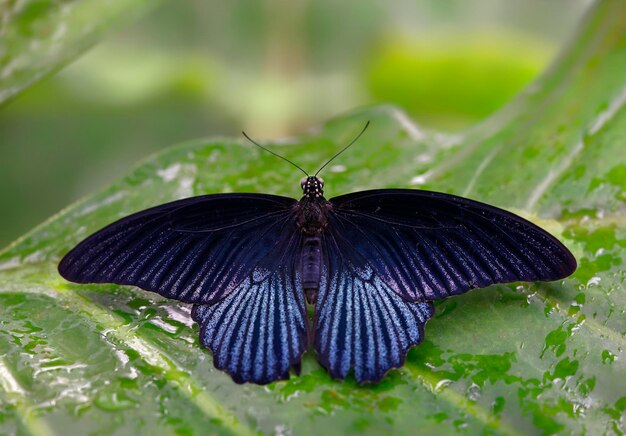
<point>371,262</point>
<point>312,217</point>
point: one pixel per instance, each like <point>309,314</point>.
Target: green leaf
<point>525,358</point>
<point>37,37</point>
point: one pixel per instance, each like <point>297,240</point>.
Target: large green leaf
<point>527,358</point>
<point>37,37</point>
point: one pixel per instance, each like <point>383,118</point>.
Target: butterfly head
<point>312,186</point>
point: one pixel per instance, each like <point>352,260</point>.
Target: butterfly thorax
<point>312,215</point>
<point>312,209</point>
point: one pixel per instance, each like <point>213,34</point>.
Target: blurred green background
<point>203,68</point>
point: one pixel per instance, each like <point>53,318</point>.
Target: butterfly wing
<point>429,245</point>
<point>259,331</point>
<point>234,255</point>
<point>389,252</point>
<point>360,322</point>
<point>196,250</point>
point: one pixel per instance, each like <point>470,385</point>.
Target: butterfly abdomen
<point>311,256</point>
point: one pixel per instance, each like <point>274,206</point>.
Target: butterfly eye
<point>321,181</point>
<point>303,182</point>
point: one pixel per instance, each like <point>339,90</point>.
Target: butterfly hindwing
<point>360,322</point>
<point>428,245</point>
<point>196,250</point>
<point>259,331</point>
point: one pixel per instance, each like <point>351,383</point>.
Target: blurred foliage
<point>532,358</point>
<point>208,67</point>
<point>38,37</point>
<point>453,80</point>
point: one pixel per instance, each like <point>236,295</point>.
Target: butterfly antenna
<point>275,154</point>
<point>343,149</point>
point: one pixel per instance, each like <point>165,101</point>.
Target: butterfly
<point>371,263</point>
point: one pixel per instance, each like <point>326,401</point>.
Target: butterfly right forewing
<point>429,245</point>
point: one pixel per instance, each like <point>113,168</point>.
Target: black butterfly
<point>372,262</point>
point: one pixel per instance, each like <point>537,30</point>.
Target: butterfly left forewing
<point>196,250</point>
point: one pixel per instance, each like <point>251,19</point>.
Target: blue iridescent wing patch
<point>429,245</point>
<point>195,250</point>
<point>360,322</point>
<point>259,331</point>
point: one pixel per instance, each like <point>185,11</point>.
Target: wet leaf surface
<point>535,358</point>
